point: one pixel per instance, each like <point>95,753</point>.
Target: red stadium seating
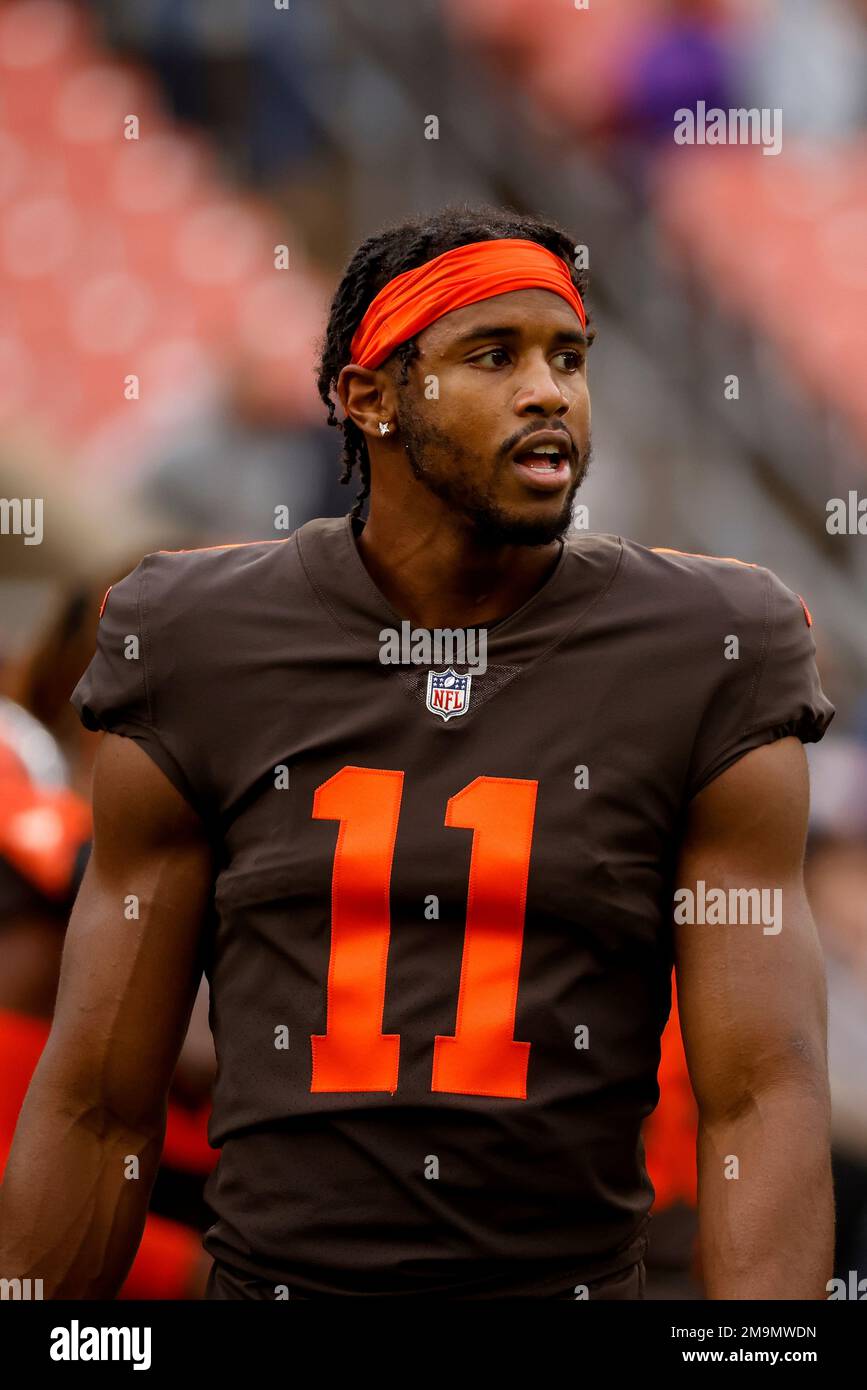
<point>779,243</point>
<point>122,256</point>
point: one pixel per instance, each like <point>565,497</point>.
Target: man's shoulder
<point>687,569</point>
<point>171,588</point>
<point>213,565</point>
<point>256,567</point>
<point>690,581</point>
<point>662,585</point>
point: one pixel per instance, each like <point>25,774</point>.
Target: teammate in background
<point>669,1134</point>
<point>45,833</point>
<point>439,934</point>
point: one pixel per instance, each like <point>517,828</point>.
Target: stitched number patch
<point>482,1057</point>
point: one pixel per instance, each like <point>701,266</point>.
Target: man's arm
<point>753,1011</point>
<point>69,1212</point>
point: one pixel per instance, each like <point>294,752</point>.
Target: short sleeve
<point>115,693</point>
<point>771,688</point>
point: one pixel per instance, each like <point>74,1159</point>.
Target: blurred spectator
<point>222,475</point>
<point>44,844</point>
<point>670,1133</point>
<point>677,58</point>
<point>240,69</point>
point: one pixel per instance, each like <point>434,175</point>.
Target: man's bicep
<point>132,956</point>
<point>750,977</point>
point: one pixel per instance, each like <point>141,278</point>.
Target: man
<point>437,913</point>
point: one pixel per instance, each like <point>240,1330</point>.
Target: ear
<point>367,397</point>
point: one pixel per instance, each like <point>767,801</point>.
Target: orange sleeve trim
<point>227,545</point>
<point>731,560</point>
<point>105,599</point>
<point>699,555</point>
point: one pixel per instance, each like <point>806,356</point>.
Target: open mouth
<point>544,466</point>
<point>546,456</point>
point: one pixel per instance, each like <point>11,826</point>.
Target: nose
<point>540,392</point>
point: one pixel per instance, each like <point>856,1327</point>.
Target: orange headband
<point>479,270</point>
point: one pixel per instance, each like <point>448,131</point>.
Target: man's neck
<point>435,573</point>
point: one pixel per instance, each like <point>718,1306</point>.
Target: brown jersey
<point>441,944</point>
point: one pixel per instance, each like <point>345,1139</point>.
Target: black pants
<point>225,1282</point>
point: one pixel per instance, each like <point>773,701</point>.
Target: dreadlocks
<point>379,259</point>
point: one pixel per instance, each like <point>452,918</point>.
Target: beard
<point>455,483</point>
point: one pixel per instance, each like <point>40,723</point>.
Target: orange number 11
<point>481,1058</point>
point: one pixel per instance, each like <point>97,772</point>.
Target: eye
<point>577,359</point>
<point>492,352</point>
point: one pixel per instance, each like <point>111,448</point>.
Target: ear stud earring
<point>384,427</point>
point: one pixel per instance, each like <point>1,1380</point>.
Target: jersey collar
<point>581,577</point>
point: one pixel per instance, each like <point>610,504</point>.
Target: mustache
<point>515,439</point>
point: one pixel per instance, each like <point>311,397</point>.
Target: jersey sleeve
<point>119,691</point>
<point>771,688</point>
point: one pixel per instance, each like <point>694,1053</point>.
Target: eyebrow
<point>563,335</point>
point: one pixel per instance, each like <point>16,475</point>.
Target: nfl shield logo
<point>448,694</point>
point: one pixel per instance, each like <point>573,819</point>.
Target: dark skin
<point>423,552</point>
<point>99,1093</point>
<point>753,1014</point>
<point>31,946</point>
<point>752,1006</point>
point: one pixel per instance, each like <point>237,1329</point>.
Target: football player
<point>438,905</point>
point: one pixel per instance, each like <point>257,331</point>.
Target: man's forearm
<point>71,1212</point>
<point>766,1202</point>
